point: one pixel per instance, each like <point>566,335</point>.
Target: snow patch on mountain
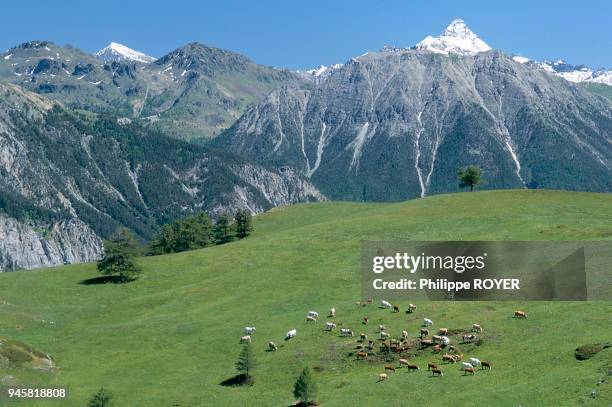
<point>118,52</point>
<point>457,38</point>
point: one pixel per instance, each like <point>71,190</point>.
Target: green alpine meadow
<point>172,336</point>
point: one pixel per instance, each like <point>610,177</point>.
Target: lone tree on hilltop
<point>244,223</point>
<point>119,253</point>
<point>305,388</point>
<point>245,364</point>
<point>470,177</point>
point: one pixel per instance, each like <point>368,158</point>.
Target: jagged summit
<point>119,52</point>
<point>457,38</point>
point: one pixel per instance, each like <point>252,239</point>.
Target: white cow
<point>332,312</point>
<point>474,362</point>
<point>346,332</point>
<point>291,334</point>
<point>249,330</point>
<point>381,328</point>
<point>329,326</point>
<point>245,339</point>
<point>272,346</point>
<point>469,338</point>
<point>384,335</point>
<point>404,334</point>
<point>445,340</point>
<point>385,304</point>
<point>427,322</point>
<point>311,319</point>
<point>412,307</point>
<point>465,364</point>
<point>313,314</point>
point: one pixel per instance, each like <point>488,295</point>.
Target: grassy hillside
<point>171,337</point>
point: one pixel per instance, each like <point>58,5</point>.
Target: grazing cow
<point>474,362</point>
<point>361,355</point>
<point>424,332</point>
<point>384,335</point>
<point>425,343</point>
<point>436,338</point>
<point>311,319</point>
<point>381,328</point>
<point>448,358</point>
<point>403,362</point>
<point>411,308</point>
<point>346,332</point>
<point>382,376</point>
<point>363,337</point>
<point>466,365</point>
<point>458,357</point>
<point>404,334</point>
<point>390,368</point>
<point>313,314</point>
<point>436,372</point>
<point>245,339</point>
<point>291,334</point>
<point>431,366</point>
<point>365,320</point>
<point>486,365</point>
<point>468,370</point>
<point>412,367</point>
<point>272,346</point>
<point>476,328</point>
<point>332,313</point>
<point>329,326</point>
<point>370,345</point>
<point>249,330</point>
<point>452,348</point>
<point>427,322</point>
<point>385,304</point>
<point>469,338</point>
<point>437,349</point>
<point>396,308</point>
<point>520,314</point>
<point>443,331</point>
<point>445,340</point>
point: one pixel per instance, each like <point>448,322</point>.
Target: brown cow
<point>403,362</point>
<point>476,328</point>
<point>448,358</point>
<point>436,372</point>
<point>436,338</point>
<point>431,366</point>
<point>425,343</point>
<point>458,357</point>
<point>362,355</point>
<point>412,367</point>
<point>395,308</point>
<point>389,367</point>
<point>363,336</point>
<point>424,332</point>
<point>443,331</point>
<point>468,369</point>
<point>365,320</point>
<point>437,348</point>
<point>486,365</point>
<point>520,314</point>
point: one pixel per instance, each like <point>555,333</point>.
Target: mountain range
<point>89,143</point>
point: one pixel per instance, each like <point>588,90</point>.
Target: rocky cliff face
<point>67,179</point>
<point>399,123</point>
<point>24,245</point>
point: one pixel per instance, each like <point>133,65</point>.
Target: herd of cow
<point>387,344</point>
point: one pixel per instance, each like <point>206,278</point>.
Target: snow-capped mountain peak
<point>119,52</point>
<point>457,38</point>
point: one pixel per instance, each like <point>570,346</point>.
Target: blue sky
<point>308,33</point>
